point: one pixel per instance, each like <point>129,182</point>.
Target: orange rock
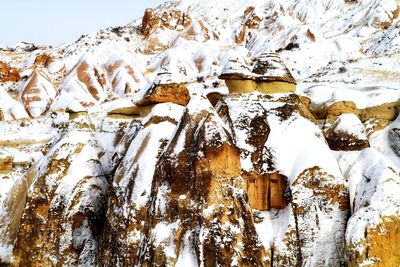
<point>174,20</point>
<point>43,60</point>
<point>8,74</point>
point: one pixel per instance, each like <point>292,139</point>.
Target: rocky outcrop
<point>38,93</point>
<point>43,60</point>
<point>125,74</point>
<point>345,132</point>
<point>63,216</point>
<point>174,19</point>
<point>266,128</point>
<point>137,154</point>
<point>373,229</point>
<point>6,161</point>
<point>208,231</point>
<point>165,89</point>
<point>86,81</point>
<point>8,74</point>
<point>251,21</point>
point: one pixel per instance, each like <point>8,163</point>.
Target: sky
<point>55,22</point>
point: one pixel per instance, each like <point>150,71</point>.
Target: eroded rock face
<point>38,93</point>
<point>373,229</point>
<point>174,19</point>
<point>8,74</point>
<point>86,81</point>
<point>125,75</point>
<point>62,220</point>
<point>217,238</point>
<point>138,153</point>
<point>263,125</point>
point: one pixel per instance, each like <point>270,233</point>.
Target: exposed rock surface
<point>38,93</point>
<point>8,74</point>
<point>141,156</point>
<point>85,82</point>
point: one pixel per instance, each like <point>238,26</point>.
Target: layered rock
<point>38,93</point>
<point>125,75</point>
<point>86,81</point>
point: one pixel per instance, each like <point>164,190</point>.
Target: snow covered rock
<point>137,154</point>
<point>346,132</point>
<point>11,109</point>
<point>373,229</point>
<point>63,215</point>
<point>86,81</point>
<point>38,93</point>
<point>8,74</point>
<point>125,74</point>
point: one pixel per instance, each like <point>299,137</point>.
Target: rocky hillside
<point>232,133</point>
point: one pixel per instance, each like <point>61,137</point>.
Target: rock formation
<point>8,74</point>
<point>38,93</point>
<point>85,82</point>
<point>141,155</point>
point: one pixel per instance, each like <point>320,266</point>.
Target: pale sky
<point>55,22</point>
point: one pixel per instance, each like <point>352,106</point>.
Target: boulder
<point>164,89</point>
<point>346,132</point>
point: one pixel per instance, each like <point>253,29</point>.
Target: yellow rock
<point>275,87</point>
<point>75,115</point>
<point>381,246</point>
<point>240,86</point>
<point>341,107</point>
<point>387,111</point>
<point>132,111</point>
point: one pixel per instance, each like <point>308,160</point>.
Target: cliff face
<point>126,148</point>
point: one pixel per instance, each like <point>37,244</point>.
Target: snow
<point>65,101</point>
<point>374,185</point>
<point>363,97</point>
<point>38,93</point>
<point>296,144</point>
<point>5,253</point>
<point>11,108</point>
<point>350,124</point>
<point>18,156</point>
